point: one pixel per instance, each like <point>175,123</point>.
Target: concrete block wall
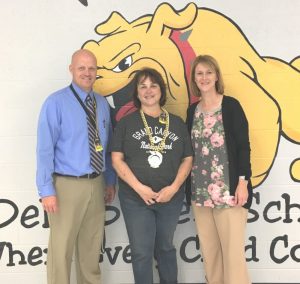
<point>37,40</point>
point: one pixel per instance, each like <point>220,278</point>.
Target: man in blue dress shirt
<point>72,191</point>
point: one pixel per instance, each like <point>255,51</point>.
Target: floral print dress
<point>210,177</point>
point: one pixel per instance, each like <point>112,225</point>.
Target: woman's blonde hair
<point>212,63</point>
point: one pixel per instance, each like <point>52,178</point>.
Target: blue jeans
<point>150,231</point>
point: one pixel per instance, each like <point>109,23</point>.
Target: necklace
<point>156,157</point>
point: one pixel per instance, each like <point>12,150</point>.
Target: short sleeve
<point>188,148</point>
<point>119,137</point>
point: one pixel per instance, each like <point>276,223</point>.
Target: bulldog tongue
<point>124,110</point>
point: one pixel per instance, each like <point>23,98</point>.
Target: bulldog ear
<point>84,2</point>
<point>296,63</point>
<point>166,18</point>
<point>114,24</point>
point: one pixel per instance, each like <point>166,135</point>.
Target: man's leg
<point>90,236</point>
<point>64,227</point>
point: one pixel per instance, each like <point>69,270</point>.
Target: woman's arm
<point>125,173</point>
<point>241,131</point>
<point>166,193</point>
<point>241,136</point>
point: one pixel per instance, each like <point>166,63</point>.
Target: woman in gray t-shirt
<point>152,155</point>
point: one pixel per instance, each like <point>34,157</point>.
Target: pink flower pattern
<point>210,179</point>
<point>216,140</point>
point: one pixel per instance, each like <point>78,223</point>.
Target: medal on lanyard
<point>156,149</point>
<point>163,118</point>
<point>97,141</point>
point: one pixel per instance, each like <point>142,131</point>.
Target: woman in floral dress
<point>220,190</point>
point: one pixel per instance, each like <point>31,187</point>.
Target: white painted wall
<point>37,40</point>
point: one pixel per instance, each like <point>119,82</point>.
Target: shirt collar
<point>82,94</point>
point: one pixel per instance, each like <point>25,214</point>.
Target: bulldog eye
<point>123,64</point>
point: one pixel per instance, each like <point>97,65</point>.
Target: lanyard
<point>85,108</point>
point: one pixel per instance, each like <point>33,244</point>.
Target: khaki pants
<point>222,241</point>
<point>78,225</point>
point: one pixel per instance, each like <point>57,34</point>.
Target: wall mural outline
<point>128,46</point>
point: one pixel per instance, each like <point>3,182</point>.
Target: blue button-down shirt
<point>62,138</point>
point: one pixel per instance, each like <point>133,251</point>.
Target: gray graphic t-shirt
<point>130,138</point>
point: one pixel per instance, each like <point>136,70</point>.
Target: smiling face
<point>205,78</point>
<point>83,69</point>
<point>149,93</point>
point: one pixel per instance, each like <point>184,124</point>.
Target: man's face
<point>84,69</point>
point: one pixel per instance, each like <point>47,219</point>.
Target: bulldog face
<point>169,40</point>
<point>124,52</point>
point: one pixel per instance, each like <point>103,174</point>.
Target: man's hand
<point>50,204</point>
<point>110,192</point>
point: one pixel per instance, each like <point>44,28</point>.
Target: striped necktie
<point>96,156</point>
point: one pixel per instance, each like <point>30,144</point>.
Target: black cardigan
<point>237,143</point>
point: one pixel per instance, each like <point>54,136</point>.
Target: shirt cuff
<point>110,177</point>
<point>46,190</point>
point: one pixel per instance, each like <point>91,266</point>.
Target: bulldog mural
<point>268,88</point>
